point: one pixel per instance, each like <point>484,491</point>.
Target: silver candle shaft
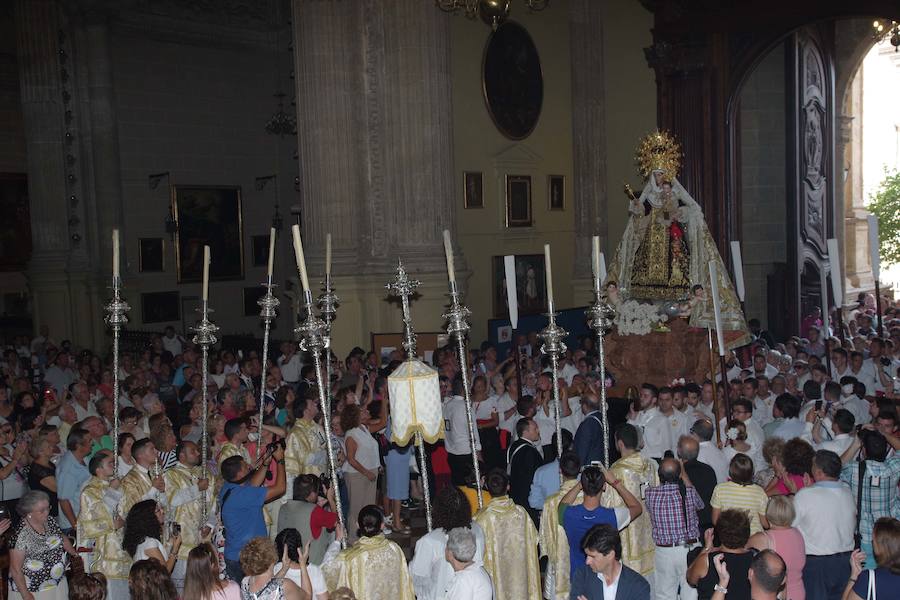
<point>205,337</point>
<point>268,304</point>
<point>312,339</point>
<point>458,326</point>
<point>600,316</point>
<point>554,347</point>
<point>115,318</point>
<point>328,303</point>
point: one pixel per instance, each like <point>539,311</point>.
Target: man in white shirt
<point>470,580</point>
<point>841,425</point>
<point>742,410</point>
<point>787,409</point>
<point>864,371</point>
<point>710,454</point>
<point>662,431</point>
<point>706,404</point>
<point>506,406</point>
<point>59,375</point>
<point>876,366</point>
<point>290,364</point>
<point>851,399</point>
<point>826,518</point>
<point>763,401</point>
<point>646,407</point>
<point>172,342</point>
<point>839,364</point>
<point>456,435</point>
<point>761,366</point>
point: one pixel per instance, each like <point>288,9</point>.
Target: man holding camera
<point>303,513</point>
<point>241,502</point>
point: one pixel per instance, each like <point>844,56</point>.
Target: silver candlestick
<point>116,318</point>
<point>268,305</point>
<point>600,318</point>
<point>554,347</point>
<point>404,287</point>
<point>328,303</point>
<point>313,339</point>
<point>457,317</point>
<point>205,337</point>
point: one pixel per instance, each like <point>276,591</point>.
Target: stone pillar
<point>588,128</point>
<point>37,24</point>
<point>374,121</point>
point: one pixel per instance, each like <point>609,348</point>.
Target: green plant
<point>885,205</point>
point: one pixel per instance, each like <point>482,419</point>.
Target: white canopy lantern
<point>415,394</point>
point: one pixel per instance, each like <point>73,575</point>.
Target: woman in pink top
<point>792,468</point>
<point>786,541</point>
<point>201,581</point>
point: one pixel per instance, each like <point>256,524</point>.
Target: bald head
<point>703,429</point>
<point>767,570</point>
<point>669,471</point>
<point>688,448</point>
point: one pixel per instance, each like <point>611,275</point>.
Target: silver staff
<point>554,347</point>
<point>116,318</point>
<point>267,304</point>
<point>458,326</point>
<point>205,337</point>
<point>328,303</point>
<point>314,340</point>
<point>600,318</point>
<point>404,287</point>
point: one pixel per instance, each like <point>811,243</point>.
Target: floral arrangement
<point>636,318</point>
<point>732,434</point>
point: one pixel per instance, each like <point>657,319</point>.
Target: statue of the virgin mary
<point>665,251</point>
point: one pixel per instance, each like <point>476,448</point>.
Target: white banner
<point>509,263</point>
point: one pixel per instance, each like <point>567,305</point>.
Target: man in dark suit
<point>604,577</point>
<point>701,475</point>
<point>524,458</point>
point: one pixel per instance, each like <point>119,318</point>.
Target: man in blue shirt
<point>241,501</point>
<point>546,479</point>
<point>577,519</point>
<point>71,473</point>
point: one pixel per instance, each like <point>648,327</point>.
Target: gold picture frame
<point>556,192</point>
<point>208,215</point>
<point>518,201</point>
<point>473,189</point>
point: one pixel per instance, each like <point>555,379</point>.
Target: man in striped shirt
<point>673,506</point>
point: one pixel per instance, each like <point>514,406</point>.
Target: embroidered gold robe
<point>374,568</point>
<point>555,545</point>
<point>96,527</point>
<point>305,452</point>
<point>229,450</point>
<point>185,500</point>
<point>510,550</point>
<point>637,473</point>
<point>137,486</point>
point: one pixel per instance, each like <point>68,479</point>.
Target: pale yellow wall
<point>631,112</point>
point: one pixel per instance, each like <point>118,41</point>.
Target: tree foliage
<point>885,205</point>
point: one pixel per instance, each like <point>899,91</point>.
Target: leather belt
<point>684,543</point>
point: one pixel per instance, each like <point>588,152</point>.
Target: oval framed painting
<point>512,81</point>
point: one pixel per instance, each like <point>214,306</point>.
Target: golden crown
<point>659,151</point>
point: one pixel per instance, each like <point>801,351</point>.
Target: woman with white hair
<point>470,580</point>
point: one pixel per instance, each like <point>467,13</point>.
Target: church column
<point>37,26</point>
<point>588,126</point>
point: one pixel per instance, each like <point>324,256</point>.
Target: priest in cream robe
<point>510,543</point>
<point>637,474</point>
<point>374,567</point>
<point>138,484</point>
<point>552,535</point>
<point>187,485</point>
<point>305,453</point>
<point>100,526</point>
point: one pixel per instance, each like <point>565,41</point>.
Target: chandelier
<point>885,29</point>
<point>492,12</point>
<point>281,123</point>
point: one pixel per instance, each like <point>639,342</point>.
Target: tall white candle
<point>738,265</point>
<point>549,271</point>
<point>595,260</point>
<point>115,242</point>
<point>448,251</point>
<point>714,289</point>
<point>512,299</point>
<point>205,273</point>
<point>327,255</point>
<point>271,251</point>
<point>873,247</point>
<point>298,255</point>
<point>834,259</point>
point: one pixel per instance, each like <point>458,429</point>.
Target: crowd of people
<point>778,480</point>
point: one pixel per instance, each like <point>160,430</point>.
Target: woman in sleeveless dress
<point>258,558</point>
<point>786,541</point>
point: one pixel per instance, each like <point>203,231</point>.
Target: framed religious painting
<point>208,216</point>
<point>556,192</point>
<point>160,307</point>
<point>151,257</point>
<point>518,201</point>
<point>531,286</point>
<point>473,190</point>
<point>512,80</point>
